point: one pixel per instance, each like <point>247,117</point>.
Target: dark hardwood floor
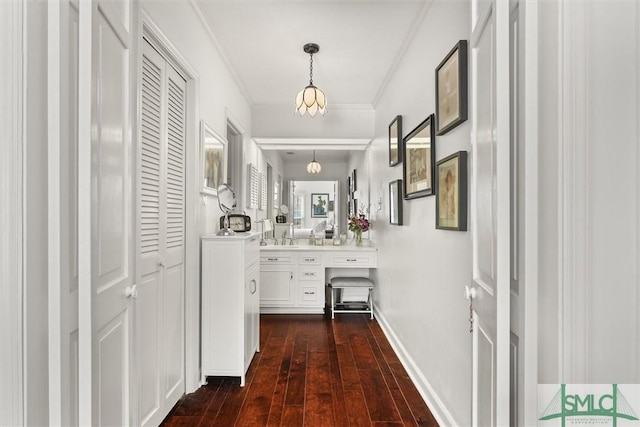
<point>311,371</point>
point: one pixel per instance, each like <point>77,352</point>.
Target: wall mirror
<point>213,152</point>
<point>306,214</point>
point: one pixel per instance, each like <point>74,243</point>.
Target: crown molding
<point>214,39</point>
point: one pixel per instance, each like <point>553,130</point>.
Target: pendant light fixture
<point>314,167</point>
<point>311,99</point>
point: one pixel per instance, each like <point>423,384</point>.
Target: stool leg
<point>371,301</point>
<point>333,304</point>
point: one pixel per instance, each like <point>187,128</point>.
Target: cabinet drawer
<point>276,258</point>
<point>352,259</point>
<point>310,259</point>
<point>310,273</point>
<point>252,250</point>
<point>311,294</point>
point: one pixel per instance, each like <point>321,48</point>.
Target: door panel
<point>161,236</point>
<point>484,153</point>
<point>147,317</point>
<point>112,234</point>
<point>173,335</point>
<point>113,372</point>
<point>277,286</point>
<point>490,212</point>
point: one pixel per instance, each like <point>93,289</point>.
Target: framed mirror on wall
<point>213,159</point>
<point>308,211</point>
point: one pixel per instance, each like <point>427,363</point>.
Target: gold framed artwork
<point>451,89</point>
<point>213,149</point>
<point>419,160</point>
<point>451,200</point>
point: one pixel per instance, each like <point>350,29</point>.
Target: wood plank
<point>356,408</point>
<point>377,396</point>
<point>297,373</point>
<point>419,408</point>
<point>277,401</point>
<point>293,416</point>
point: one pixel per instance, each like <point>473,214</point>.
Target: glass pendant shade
<point>313,166</point>
<point>311,100</point>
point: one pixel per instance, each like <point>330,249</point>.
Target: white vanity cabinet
<point>230,303</point>
<point>292,282</point>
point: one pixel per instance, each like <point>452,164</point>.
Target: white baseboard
<point>438,409</point>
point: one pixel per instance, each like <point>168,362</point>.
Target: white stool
<point>351,307</point>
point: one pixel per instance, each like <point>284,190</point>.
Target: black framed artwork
<point>451,201</point>
<point>354,181</point>
<point>395,202</point>
<point>419,160</point>
<point>319,205</point>
<point>451,89</point>
<point>395,141</point>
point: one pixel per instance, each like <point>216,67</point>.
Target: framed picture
<point>451,89</point>
<point>354,181</point>
<point>395,202</point>
<point>451,202</point>
<point>213,149</point>
<point>349,189</point>
<point>419,160</point>
<point>319,205</point>
<point>395,141</point>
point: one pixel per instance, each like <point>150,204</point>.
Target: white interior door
<point>160,303</point>
<point>106,238</point>
<point>490,212</point>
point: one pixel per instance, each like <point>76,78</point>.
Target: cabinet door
<point>251,313</point>
<point>277,286</point>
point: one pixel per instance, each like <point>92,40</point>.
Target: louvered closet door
<point>160,304</point>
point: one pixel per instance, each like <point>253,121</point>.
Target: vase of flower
<point>358,238</point>
<point>358,224</point>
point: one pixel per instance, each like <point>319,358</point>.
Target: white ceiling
<point>360,43</point>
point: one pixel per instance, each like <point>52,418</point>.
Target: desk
<point>293,278</point>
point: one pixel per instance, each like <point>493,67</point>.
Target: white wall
<point>422,271</point>
<point>590,192</point>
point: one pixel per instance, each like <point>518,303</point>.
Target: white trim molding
<point>573,180</point>
<point>12,95</point>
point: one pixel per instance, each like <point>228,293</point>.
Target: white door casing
<point>105,218</point>
<point>12,134</point>
<point>490,212</point>
<point>63,211</point>
<point>160,261</point>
